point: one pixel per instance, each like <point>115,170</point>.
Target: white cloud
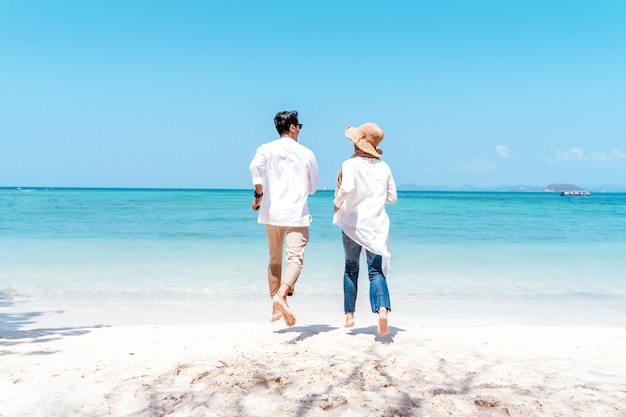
<point>574,154</point>
<point>577,154</point>
<point>615,154</point>
<point>503,151</point>
<point>618,154</point>
<point>473,164</point>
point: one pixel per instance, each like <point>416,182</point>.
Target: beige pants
<point>295,239</point>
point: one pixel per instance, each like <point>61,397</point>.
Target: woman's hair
<point>284,119</point>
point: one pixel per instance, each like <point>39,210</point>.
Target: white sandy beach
<point>254,368</point>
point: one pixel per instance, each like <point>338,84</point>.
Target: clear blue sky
<point>135,93</point>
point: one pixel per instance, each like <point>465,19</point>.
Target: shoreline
<point>92,308</point>
<point>80,362</point>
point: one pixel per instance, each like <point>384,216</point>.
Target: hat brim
<point>352,132</point>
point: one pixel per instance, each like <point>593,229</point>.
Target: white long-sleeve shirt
<point>288,172</point>
<point>366,186</point>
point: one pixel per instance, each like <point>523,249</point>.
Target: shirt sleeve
<point>257,166</point>
<point>392,194</point>
<point>347,184</point>
<point>313,175</point>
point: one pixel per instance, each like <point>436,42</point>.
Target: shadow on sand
<point>306,331</point>
<point>373,330</point>
<point>19,328</point>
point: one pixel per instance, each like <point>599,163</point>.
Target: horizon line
<point>401,188</point>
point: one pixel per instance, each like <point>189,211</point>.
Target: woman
<point>364,185</point>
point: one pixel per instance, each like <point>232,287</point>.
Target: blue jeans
<point>379,293</point>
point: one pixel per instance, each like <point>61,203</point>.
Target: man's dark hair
<point>284,119</point>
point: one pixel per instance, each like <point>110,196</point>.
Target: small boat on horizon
<point>575,193</point>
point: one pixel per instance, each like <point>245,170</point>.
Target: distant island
<point>555,187</point>
<point>468,187</point>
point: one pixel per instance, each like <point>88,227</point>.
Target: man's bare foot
<point>276,315</point>
<point>349,320</point>
<point>383,325</point>
<point>280,304</point>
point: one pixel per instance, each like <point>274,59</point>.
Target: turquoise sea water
<point>448,248</point>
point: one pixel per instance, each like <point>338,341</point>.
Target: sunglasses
<point>299,125</point>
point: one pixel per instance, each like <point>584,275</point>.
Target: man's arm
<point>313,175</point>
<point>257,169</point>
<point>258,196</point>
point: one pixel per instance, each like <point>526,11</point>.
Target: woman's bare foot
<point>281,304</point>
<point>349,320</point>
<point>383,325</point>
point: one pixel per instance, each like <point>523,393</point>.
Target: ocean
<point>530,257</point>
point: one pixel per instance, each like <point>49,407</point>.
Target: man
<point>284,174</point>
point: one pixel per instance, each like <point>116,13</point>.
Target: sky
<point>179,94</point>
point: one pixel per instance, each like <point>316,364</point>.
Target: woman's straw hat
<point>366,138</point>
